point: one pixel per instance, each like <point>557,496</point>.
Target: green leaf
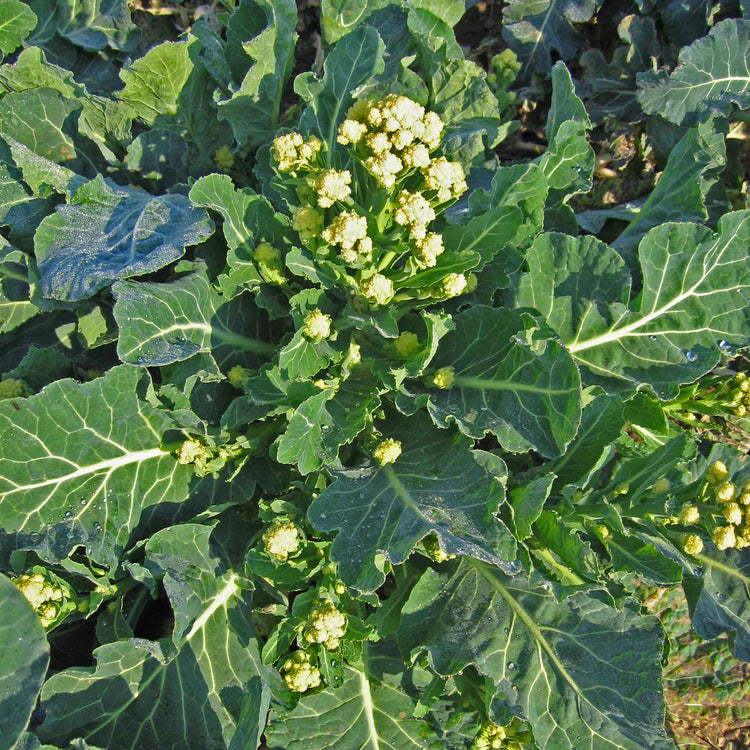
<point>582,673</point>
<point>164,323</point>
<point>341,17</point>
<point>631,555</point>
<point>680,195</point>
<point>610,88</point>
<point>326,421</point>
<point>41,119</point>
<point>253,108</point>
<point>511,379</point>
<point>108,233</point>
<point>566,546</point>
<point>154,82</point>
<point>712,72</point>
<point>159,693</point>
<point>504,219</point>
<point>436,485</point>
<point>15,306</point>
<point>528,503</point>
<point>720,598</point>
<point>82,463</point>
<point>23,662</point>
<point>302,358</point>
<point>565,104</point>
<point>97,24</point>
<point>368,711</point>
<point>534,28</point>
<point>43,175</point>
<point>351,64</point>
<point>695,296</point>
<point>17,21</point>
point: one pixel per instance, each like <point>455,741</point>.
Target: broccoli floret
<point>326,625</point>
<point>300,674</point>
<point>282,540</point>
<point>51,597</point>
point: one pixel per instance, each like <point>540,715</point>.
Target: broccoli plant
<point>322,426</point>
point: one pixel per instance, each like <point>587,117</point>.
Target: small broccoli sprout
<point>325,625</point>
<point>317,325</point>
<point>724,537</point>
<point>51,597</point>
<point>414,212</point>
<point>353,355</point>
<point>692,544</point>
<point>406,344</point>
<point>453,285</point>
<point>602,530</point>
<point>445,177</point>
<point>285,150</point>
<point>661,486</point>
<point>300,675</point>
<point>347,230</point>
<point>13,388</point>
<point>282,540</point>
<point>332,186</point>
<point>432,547</point>
<point>725,492</point>
<point>387,451</point>
<point>717,472</point>
<point>194,452</point>
<point>426,251</point>
<point>308,222</point>
<point>378,289</point>
<point>445,377</point>
<point>491,736</point>
<point>224,159</point>
<point>689,514</point>
<point>733,513</point>
<point>351,131</point>
<point>238,376</point>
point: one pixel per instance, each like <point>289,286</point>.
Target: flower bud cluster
<point>740,395</point>
<point>300,674</point>
<point>326,625</point>
<point>292,151</point>
<point>724,513</point>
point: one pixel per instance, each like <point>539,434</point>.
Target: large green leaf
<point>713,71</point>
<point>253,108</point>
<point>351,64</point>
<point>327,420</point>
<point>436,485</point>
<point>368,711</point>
<point>97,24</point>
<point>107,233</point>
<point>720,598</point>
<point>24,657</point>
<point>82,463</point>
<point>165,323</point>
<point>512,378</point>
<point>534,28</point>
<point>15,306</point>
<point>17,21</point>
<point>694,301</point>
<point>181,692</point>
<point>502,219</point>
<point>680,195</point>
<point>582,673</point>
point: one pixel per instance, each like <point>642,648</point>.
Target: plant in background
<point>322,427</point>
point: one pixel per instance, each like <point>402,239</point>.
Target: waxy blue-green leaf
<point>253,108</point>
<point>720,598</point>
<point>20,209</point>
<point>302,358</point>
<point>502,219</point>
<point>512,378</point>
<point>582,673</point>
<point>156,693</point>
<point>631,555</point>
<point>328,420</point>
<point>164,323</point>
<point>351,64</point>
<point>24,657</point>
<point>435,485</point>
<point>107,232</point>
<point>97,24</point>
<point>681,194</point>
<point>610,87</point>
<point>534,28</point>
<point>528,502</point>
<point>696,287</point>
<point>368,711</point>
<point>82,464</point>
<point>712,72</point>
<point>15,306</point>
<point>41,119</point>
<point>17,21</point>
